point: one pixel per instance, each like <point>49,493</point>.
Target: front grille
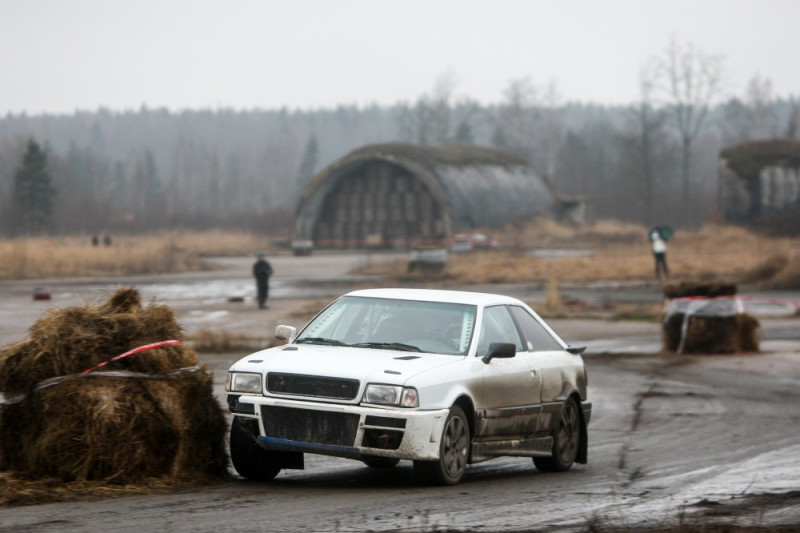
<point>315,386</point>
<point>305,425</point>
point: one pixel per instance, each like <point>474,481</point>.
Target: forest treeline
<point>152,169</point>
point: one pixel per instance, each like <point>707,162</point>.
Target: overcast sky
<point>58,56</point>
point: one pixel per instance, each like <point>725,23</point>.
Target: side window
<point>536,337</point>
<point>497,326</point>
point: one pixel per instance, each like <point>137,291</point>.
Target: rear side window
<point>536,337</point>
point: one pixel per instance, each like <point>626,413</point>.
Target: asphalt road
<point>673,440</point>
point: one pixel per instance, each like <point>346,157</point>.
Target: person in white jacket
<point>660,254</point>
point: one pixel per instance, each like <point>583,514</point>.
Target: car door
<point>546,357</point>
<point>510,390</point>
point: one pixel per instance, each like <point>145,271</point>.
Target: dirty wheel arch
<point>248,458</point>
<point>566,440</point>
<point>453,452</point>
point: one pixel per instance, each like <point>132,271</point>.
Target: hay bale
<point>685,289</point>
<point>710,334</point>
<point>748,332</point>
<point>71,340</point>
<point>671,331</point>
<point>713,328</point>
<point>161,422</point>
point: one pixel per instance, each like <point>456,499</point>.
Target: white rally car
<point>442,378</point>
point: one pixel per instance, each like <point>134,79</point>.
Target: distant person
<point>660,254</point>
<point>95,240</point>
<point>107,239</point>
<point>262,270</point>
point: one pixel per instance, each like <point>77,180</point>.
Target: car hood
<point>364,364</point>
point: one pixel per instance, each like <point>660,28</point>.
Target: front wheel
<point>453,452</point>
<point>566,441</point>
<point>380,462</point>
<point>248,458</point>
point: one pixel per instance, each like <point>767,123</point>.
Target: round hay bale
<point>159,419</point>
<point>71,340</point>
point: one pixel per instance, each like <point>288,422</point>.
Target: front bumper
<point>354,431</point>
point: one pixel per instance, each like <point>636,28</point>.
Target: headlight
<point>391,395</point>
<point>243,382</point>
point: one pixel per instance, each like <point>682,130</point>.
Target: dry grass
<point>617,252</point>
<point>222,341</point>
<point>17,489</point>
<point>34,258</point>
<point>310,309</point>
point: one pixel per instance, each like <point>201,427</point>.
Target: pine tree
<point>33,190</point>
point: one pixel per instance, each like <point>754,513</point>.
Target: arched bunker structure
<point>401,195</point>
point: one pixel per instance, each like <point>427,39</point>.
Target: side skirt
<point>528,447</point>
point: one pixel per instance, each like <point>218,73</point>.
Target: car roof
<point>437,295</point>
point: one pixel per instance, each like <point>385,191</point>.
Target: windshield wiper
<point>320,340</point>
<point>389,346</point>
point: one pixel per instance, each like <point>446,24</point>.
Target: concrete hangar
<point>402,196</point>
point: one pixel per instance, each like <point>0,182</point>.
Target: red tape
<point>132,352</point>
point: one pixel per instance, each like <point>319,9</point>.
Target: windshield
<point>432,327</point>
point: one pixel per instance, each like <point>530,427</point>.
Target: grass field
<point>610,251</point>
<point>35,258</point>
<point>602,251</point>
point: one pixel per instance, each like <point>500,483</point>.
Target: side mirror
<point>503,350</point>
<point>285,333</point>
<point>575,350</point>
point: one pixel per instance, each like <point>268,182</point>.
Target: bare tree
<point>551,127</point>
<point>759,101</point>
<point>440,107</point>
<point>692,80</point>
<point>648,123</point>
<point>429,120</point>
<point>516,120</point>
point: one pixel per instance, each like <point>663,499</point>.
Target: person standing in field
<point>262,270</point>
<point>660,254</point>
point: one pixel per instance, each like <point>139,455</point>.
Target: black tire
<point>566,440</point>
<point>453,452</point>
<point>380,462</point>
<point>248,458</point>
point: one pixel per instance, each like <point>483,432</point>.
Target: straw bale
<point>685,289</point>
<point>158,423</point>
<point>671,331</point>
<point>712,335</point>
<point>71,340</point>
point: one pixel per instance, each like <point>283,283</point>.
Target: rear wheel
<point>566,441</point>
<point>248,458</point>
<point>453,452</point>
